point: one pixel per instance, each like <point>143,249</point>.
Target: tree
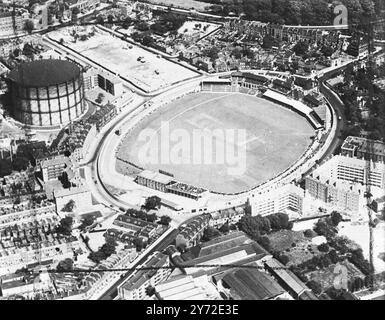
<point>126,23</point>
<point>323,247</point>
<point>65,226</point>
<point>336,218</point>
<point>323,228</point>
<point>87,221</point>
<point>109,247</point>
<point>105,251</point>
<point>139,244</point>
<point>75,11</point>
<point>63,178</point>
<point>315,286</point>
<point>268,42</point>
<point>309,233</point>
<point>237,53</point>
<point>20,164</point>
<point>100,98</point>
<point>28,49</point>
<point>151,217</point>
<point>69,206</point>
<point>333,256</point>
<point>152,203</point>
<point>150,291</point>
<point>165,220</point>
<point>5,167</point>
<point>142,26</point>
<point>284,259</point>
<point>110,19</point>
<point>147,40</point>
<point>212,53</point>
<point>29,26</point>
<point>65,265</point>
<point>96,256</point>
<point>301,48</point>
<point>210,233</point>
<point>327,51</point>
<point>248,208</point>
<point>225,228</point>
<point>247,224</point>
<point>279,221</point>
<point>139,214</point>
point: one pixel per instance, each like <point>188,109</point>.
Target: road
<point>112,292</point>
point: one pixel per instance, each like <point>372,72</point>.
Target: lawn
<point>275,138</point>
<point>327,276</point>
<point>294,245</point>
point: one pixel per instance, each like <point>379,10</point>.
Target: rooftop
<point>186,188</point>
<point>251,284</point>
<point>70,191</point>
<point>364,145</point>
<point>59,160</point>
<point>43,73</point>
<point>289,278</point>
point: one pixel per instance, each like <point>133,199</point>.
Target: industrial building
<point>134,288</point>
<point>47,92</point>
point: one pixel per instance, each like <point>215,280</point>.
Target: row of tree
<point>298,12</point>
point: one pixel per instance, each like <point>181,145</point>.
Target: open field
<point>360,235</point>
<point>294,245</point>
<point>274,139</point>
<point>150,74</point>
<point>326,277</point>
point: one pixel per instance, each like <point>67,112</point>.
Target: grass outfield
<point>276,138</point>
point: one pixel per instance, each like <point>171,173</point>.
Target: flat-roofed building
<point>342,182</point>
<point>187,288</point>
<point>54,167</point>
<point>288,198</point>
<point>338,194</point>
<point>362,148</point>
<point>187,191</point>
<point>154,180</point>
<point>81,195</point>
<point>10,24</point>
<point>134,287</point>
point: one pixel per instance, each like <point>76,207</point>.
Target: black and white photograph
<point>186,156</point>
